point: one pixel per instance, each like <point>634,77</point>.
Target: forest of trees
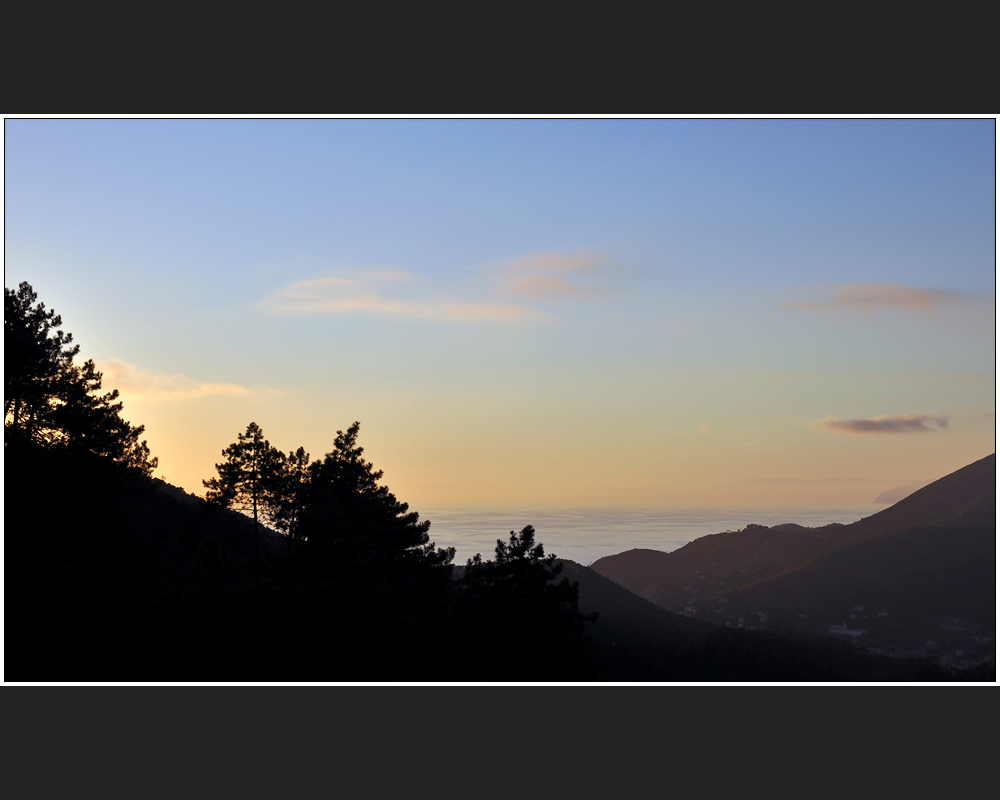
<point>114,577</point>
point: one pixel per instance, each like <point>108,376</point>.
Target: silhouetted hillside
<point>729,561</point>
<point>640,570</point>
<point>927,590</point>
<point>123,578</point>
<point>722,560</point>
<point>930,573</point>
<point>624,616</point>
<point>638,641</point>
<point>965,497</point>
<point>177,493</point>
<point>126,578</point>
<point>151,585</point>
<point>107,523</point>
<point>811,578</point>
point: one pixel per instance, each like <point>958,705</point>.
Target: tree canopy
<point>249,477</point>
<point>38,358</point>
<point>51,401</point>
<point>519,618</point>
<point>293,487</point>
<point>349,516</point>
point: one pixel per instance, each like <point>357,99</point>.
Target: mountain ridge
<point>732,560</point>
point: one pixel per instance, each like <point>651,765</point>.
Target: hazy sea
<point>586,535</point>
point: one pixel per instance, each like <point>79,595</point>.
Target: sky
<point>543,313</point>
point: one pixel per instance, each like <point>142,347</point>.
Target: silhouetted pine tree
<point>250,480</point>
<point>292,494</point>
<point>378,586</point>
<point>518,620</point>
<point>51,402</point>
<point>37,360</point>
<point>351,520</point>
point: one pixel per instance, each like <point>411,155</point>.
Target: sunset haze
<point>532,313</point>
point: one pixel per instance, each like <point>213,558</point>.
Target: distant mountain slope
<point>641,571</point>
<point>638,641</point>
<point>724,562</point>
<point>917,579</point>
<point>967,495</point>
<point>624,616</point>
<point>897,493</point>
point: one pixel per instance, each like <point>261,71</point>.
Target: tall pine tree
<point>350,518</point>
<point>249,480</point>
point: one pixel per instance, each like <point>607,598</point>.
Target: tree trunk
<point>256,540</point>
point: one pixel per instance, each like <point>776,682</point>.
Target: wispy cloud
<point>548,263</point>
<point>370,291</point>
<point>553,276</point>
<point>133,382</point>
<point>397,293</point>
<point>864,298</point>
<point>904,423</point>
<point>544,287</point>
<point>898,493</point>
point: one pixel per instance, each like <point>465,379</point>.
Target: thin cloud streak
<point>135,383</point>
<point>545,287</point>
<point>539,277</point>
<point>547,263</point>
<point>386,275</point>
<point>904,423</point>
<point>544,276</point>
<point>343,295</point>
<point>864,298</point>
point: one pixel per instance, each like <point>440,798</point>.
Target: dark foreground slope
<point>110,578</point>
<point>107,578</point>
<point>113,577</point>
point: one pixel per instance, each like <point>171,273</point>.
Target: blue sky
<point>654,310</point>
